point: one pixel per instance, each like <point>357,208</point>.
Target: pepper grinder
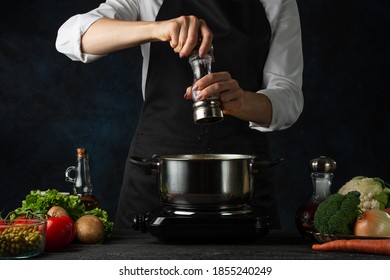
<point>322,169</point>
<point>210,110</point>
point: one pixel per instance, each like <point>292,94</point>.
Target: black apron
<point>241,41</point>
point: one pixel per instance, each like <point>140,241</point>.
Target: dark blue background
<point>51,105</point>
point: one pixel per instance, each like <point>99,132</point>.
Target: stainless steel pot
<point>204,180</point>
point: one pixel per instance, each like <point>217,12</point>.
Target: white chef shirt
<point>282,76</point>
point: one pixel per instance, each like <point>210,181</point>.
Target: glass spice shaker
<point>322,169</point>
<point>82,185</point>
<point>209,110</point>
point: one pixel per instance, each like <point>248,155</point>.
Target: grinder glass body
<point>209,110</point>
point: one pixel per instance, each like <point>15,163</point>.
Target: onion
<point>374,223</point>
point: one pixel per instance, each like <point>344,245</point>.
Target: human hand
<point>183,34</point>
<point>219,84</point>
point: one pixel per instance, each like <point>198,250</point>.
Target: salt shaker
<point>322,169</point>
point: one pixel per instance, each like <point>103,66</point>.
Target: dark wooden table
<point>276,245</point>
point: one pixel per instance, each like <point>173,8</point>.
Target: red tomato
<point>72,226</point>
<point>59,233</point>
<point>387,210</point>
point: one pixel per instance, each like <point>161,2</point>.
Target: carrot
<point>373,246</point>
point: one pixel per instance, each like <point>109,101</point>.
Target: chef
<point>256,73</point>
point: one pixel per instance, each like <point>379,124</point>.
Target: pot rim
<point>186,157</point>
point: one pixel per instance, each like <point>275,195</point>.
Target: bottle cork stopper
<point>81,152</point>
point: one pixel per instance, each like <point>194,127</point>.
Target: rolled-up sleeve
<point>69,34</point>
<point>282,77</point>
<point>69,37</point>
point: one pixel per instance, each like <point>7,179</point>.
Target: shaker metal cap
<point>323,164</point>
<point>207,111</point>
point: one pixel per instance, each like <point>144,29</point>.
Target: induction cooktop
<point>169,224</point>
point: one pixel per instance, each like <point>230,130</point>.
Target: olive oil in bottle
<point>82,185</point>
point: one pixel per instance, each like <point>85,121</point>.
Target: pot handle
<point>258,165</point>
<point>151,166</point>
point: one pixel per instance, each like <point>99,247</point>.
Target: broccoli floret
<point>337,213</point>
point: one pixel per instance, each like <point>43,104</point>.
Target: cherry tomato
<point>2,224</point>
<point>59,233</point>
<point>22,220</point>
